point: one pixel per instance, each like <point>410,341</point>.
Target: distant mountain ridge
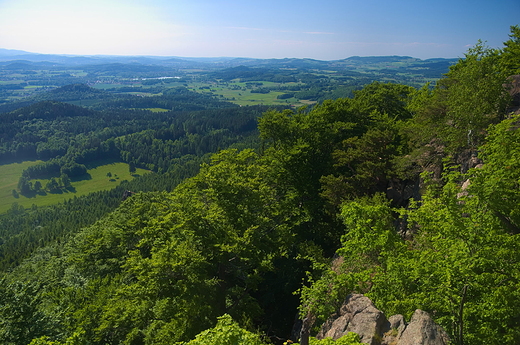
<point>12,52</point>
<point>20,56</point>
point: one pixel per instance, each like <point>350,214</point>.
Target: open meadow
<point>238,93</point>
<point>95,180</point>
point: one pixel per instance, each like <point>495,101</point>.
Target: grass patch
<point>9,176</point>
<point>95,180</point>
<point>236,92</point>
<point>157,110</point>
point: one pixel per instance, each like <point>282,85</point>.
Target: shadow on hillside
<point>6,161</point>
<point>59,191</point>
<point>41,192</point>
<point>101,162</point>
<point>56,191</point>
<point>83,177</point>
<point>30,194</point>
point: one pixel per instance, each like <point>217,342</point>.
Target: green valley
<point>94,180</point>
<point>240,201</point>
<point>239,81</point>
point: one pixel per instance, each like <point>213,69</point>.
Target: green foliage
<point>73,169</point>
<point>144,273</point>
<point>75,339</point>
<point>462,264</point>
<point>498,179</point>
<point>68,137</point>
<point>235,239</point>
<point>24,230</point>
<point>389,98</point>
<point>348,339</point>
<point>368,242</point>
<point>470,98</point>
<point>38,186</point>
<point>512,51</point>
<point>301,153</point>
<point>476,95</point>
<point>226,332</point>
<point>21,320</point>
<point>52,185</point>
<point>338,150</point>
<point>364,163</point>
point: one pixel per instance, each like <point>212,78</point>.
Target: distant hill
<point>73,92</point>
<point>50,110</point>
<point>29,78</point>
<point>11,52</point>
<point>216,62</point>
<point>378,59</point>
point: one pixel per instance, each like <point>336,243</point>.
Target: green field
<point>104,86</point>
<point>236,92</point>
<point>157,110</point>
<point>95,180</point>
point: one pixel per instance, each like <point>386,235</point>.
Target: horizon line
<point>24,52</point>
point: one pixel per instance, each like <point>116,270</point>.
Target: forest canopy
<point>407,195</point>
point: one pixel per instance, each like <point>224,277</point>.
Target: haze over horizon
<point>328,30</point>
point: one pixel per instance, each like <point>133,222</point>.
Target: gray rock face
<point>394,331</point>
<point>422,330</point>
<point>359,315</point>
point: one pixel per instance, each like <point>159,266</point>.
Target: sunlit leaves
<point>462,263</point>
<point>226,332</point>
<point>497,182</point>
<point>512,51</point>
<point>165,265</point>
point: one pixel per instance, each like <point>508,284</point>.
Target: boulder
<point>422,330</point>
<point>359,315</point>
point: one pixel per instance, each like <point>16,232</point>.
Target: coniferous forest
<point>253,217</point>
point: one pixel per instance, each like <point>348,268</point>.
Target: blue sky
<point>318,29</point>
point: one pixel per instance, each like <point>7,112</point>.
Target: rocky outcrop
<point>401,191</point>
<point>422,330</point>
<point>514,91</point>
<point>467,159</point>
<point>359,315</point>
